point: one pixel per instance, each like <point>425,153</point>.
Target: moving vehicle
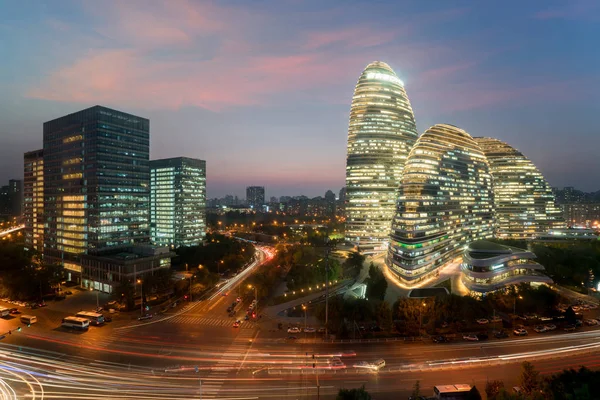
<point>76,323</point>
<point>144,317</point>
<point>237,323</point>
<point>378,364</point>
<point>440,339</point>
<point>95,318</point>
<point>293,330</point>
<point>520,332</point>
<point>470,338</point>
<point>570,328</point>
<point>28,319</point>
<point>454,392</point>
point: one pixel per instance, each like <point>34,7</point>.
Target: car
<point>591,322</point>
<point>530,316</point>
<point>570,328</point>
<point>229,309</point>
<point>107,318</point>
<point>225,294</point>
<point>237,323</point>
<point>440,339</point>
<point>540,329</point>
<point>471,338</point>
<point>522,317</point>
<point>520,332</point>
<point>69,292</point>
<point>42,304</point>
<point>546,319</point>
<point>501,335</point>
<point>238,299</point>
<point>309,330</point>
<point>99,309</point>
<point>496,319</point>
<point>14,311</point>
<point>291,338</point>
<point>578,323</point>
<point>321,330</point>
<point>550,327</point>
<point>483,321</point>
<point>293,330</point>
<point>144,317</point>
<point>246,317</point>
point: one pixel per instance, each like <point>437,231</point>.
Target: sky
<point>261,90</point>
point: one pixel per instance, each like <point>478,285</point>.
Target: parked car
<point>591,322</point>
<point>496,319</point>
<point>15,311</point>
<point>578,323</point>
<point>550,327</point>
<point>107,318</point>
<point>321,330</point>
<point>144,317</point>
<point>293,329</point>
<point>520,332</point>
<point>570,328</point>
<point>310,330</point>
<point>471,338</point>
<point>546,319</point>
<point>483,321</point>
<point>501,335</point>
<point>540,329</point>
<point>440,339</point>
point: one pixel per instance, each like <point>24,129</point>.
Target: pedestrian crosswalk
<point>184,319</point>
<point>213,382</point>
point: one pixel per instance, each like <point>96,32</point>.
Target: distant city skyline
<point>263,96</point>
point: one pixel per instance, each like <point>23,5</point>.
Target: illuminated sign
<point>384,77</point>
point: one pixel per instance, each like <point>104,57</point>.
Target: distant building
<point>177,201</point>
<point>567,235</point>
<point>330,203</point>
<point>342,194</point>
<point>255,196</point>
<point>96,185</point>
<point>581,214</point>
<point>488,267</point>
<point>33,200</point>
<point>11,198</point>
<point>105,270</point>
<point>381,132</point>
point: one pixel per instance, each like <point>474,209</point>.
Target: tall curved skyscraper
<point>381,132</point>
<point>525,204</point>
<point>446,200</point>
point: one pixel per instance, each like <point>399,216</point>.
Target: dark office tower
<point>330,203</point>
<point>96,184</point>
<point>343,194</point>
<point>11,199</point>
<point>33,200</point>
<point>255,196</point>
<point>177,201</point>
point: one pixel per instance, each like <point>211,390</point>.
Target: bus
<point>94,317</point>
<point>451,392</point>
<point>76,323</point>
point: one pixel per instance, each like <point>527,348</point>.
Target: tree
<point>383,314</point>
<point>416,393</point>
<point>376,283</point>
<point>354,394</point>
<point>493,388</point>
<point>353,264</point>
<point>125,293</point>
<point>529,379</point>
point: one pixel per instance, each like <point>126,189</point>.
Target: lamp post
<point>97,300</point>
<point>191,277</point>
<point>304,308</point>
<point>515,305</point>
<point>421,317</point>
<point>255,295</point>
<point>141,297</point>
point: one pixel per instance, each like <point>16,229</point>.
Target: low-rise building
<point>567,235</point>
<point>104,271</point>
<point>488,267</point>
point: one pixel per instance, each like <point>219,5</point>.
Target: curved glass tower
<point>445,201</point>
<point>381,132</point>
<point>525,204</point>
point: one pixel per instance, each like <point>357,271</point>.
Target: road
<point>195,351</point>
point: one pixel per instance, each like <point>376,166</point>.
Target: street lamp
<point>97,301</point>
<point>515,304</point>
<point>421,317</point>
<point>304,308</point>
<point>191,277</point>
<point>255,295</point>
<point>142,297</point>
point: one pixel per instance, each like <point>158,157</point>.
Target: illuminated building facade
<point>96,184</point>
<point>381,132</point>
<point>255,197</point>
<point>33,200</point>
<point>445,201</point>
<point>488,267</point>
<point>525,204</point>
<point>581,214</point>
<point>177,201</point>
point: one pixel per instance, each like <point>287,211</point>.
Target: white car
<point>483,321</point>
<point>540,329</point>
<point>310,330</point>
<point>293,330</point>
<point>471,338</point>
<point>520,332</point>
<point>550,327</point>
<point>591,322</point>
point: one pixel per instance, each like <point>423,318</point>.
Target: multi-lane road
<point>195,352</point>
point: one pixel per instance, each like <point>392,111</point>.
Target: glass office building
<point>177,201</point>
<point>96,184</point>
<point>525,204</point>
<point>381,132</point>
<point>33,200</point>
<point>445,202</point>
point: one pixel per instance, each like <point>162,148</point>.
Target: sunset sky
<point>261,89</point>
